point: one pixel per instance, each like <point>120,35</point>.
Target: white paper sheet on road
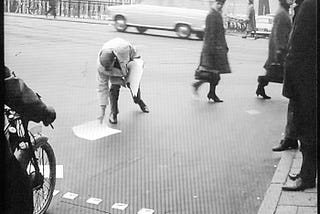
<point>93,130</point>
<point>136,70</point>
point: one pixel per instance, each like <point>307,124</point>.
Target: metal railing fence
<point>70,8</point>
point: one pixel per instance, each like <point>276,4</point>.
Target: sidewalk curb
<point>62,18</point>
<point>272,195</point>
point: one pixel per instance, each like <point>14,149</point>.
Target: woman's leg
<point>212,91</point>
<point>262,82</point>
<point>196,85</point>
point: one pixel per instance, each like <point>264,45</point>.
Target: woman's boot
<point>260,89</point>
<point>212,94</point>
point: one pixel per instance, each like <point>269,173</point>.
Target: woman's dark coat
<point>214,52</point>
<point>300,75</point>
<point>278,45</point>
<point>251,24</point>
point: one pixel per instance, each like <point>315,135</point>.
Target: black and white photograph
<point>159,107</point>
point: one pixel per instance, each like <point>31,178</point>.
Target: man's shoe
<point>286,144</point>
<point>293,176</point>
<point>299,185</point>
<point>142,106</point>
<point>113,118</point>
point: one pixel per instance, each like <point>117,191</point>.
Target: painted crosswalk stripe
<point>95,201</point>
<point>119,206</point>
<point>145,211</point>
<point>70,195</point>
<point>253,111</point>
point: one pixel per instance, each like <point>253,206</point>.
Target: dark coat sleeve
<point>210,33</point>
<point>281,37</point>
<point>24,100</point>
<point>300,64</point>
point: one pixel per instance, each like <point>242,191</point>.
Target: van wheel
<point>141,29</point>
<point>183,30</point>
<point>200,35</point>
<point>120,23</point>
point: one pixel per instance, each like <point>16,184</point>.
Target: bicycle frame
<point>22,135</point>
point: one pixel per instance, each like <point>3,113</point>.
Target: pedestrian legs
<point>309,162</point>
<point>212,91</point>
<point>262,82</point>
<point>196,85</point>
<point>114,96</point>
<point>137,99</point>
<point>290,138</point>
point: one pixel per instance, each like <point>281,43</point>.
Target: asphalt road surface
<point>187,156</point>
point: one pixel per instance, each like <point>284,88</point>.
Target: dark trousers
<point>290,130</point>
<point>308,170</point>
<point>18,191</point>
<point>114,97</point>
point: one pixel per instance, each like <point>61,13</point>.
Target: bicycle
<point>33,7</point>
<point>41,162</point>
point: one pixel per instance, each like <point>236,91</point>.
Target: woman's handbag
<point>205,74</point>
<point>275,72</point>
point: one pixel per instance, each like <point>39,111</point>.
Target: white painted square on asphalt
<point>145,211</point>
<point>70,195</point>
<point>93,130</point>
<point>95,201</point>
<point>253,112</point>
<point>119,206</point>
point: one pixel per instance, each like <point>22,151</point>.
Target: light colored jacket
<point>125,52</point>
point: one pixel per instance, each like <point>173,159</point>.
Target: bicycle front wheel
<point>43,193</point>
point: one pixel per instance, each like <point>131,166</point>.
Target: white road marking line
<point>59,171</point>
<point>70,195</point>
<point>55,192</point>
<point>253,111</point>
<point>95,201</point>
<point>119,206</point>
<point>145,211</point>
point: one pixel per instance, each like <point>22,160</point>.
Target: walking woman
<point>251,20</point>
<point>278,48</point>
<point>213,59</point>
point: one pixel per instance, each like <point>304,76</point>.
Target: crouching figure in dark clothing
<point>18,186</point>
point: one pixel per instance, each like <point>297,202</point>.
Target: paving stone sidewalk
<point>277,201</point>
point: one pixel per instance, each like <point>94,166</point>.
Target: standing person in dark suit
<point>278,48</point>
<point>52,8</point>
<point>296,9</point>
<point>251,20</point>
<point>300,86</point>
<point>213,59</point>
<point>290,138</point>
